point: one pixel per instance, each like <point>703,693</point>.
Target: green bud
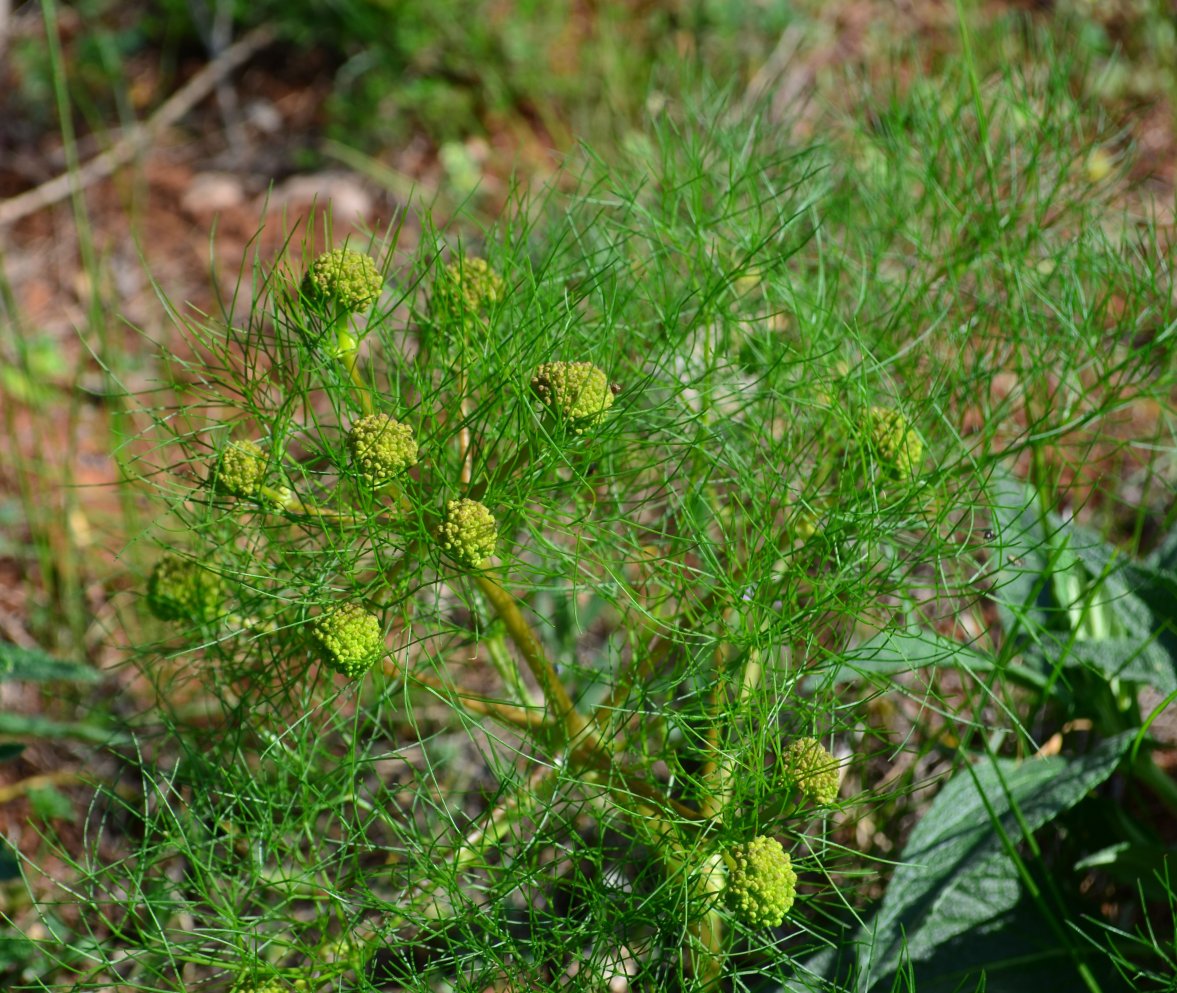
<point>474,283</point>
<point>468,533</point>
<point>270,986</point>
<point>351,639</point>
<point>897,445</point>
<point>347,279</point>
<point>811,770</point>
<point>344,951</point>
<point>577,392</point>
<point>261,986</point>
<point>182,590</point>
<point>381,448</point>
<point>241,469</point>
<point>761,883</point>
<point>803,525</point>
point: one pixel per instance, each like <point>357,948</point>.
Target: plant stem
<point>555,695</point>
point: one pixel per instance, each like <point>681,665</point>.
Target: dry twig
<point>138,137</point>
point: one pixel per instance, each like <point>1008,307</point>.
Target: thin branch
<point>139,136</point>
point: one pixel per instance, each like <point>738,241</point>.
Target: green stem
<point>496,650</point>
<point>555,695</point>
<point>347,352</point>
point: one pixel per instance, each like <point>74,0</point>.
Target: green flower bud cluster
<point>344,951</point>
<point>381,448</point>
<point>265,986</point>
<point>895,442</point>
<point>270,986</point>
<point>468,533</point>
<point>761,883</point>
<point>576,392</point>
<point>473,283</point>
<point>351,639</point>
<point>803,525</point>
<point>241,469</point>
<point>811,770</point>
<point>182,590</point>
<point>347,279</point>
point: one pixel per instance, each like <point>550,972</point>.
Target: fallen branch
<point>139,136</point>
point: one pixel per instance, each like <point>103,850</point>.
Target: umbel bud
<point>241,469</point>
<point>811,770</point>
<point>761,883</point>
<point>269,986</point>
<point>468,533</point>
<point>342,280</point>
<point>351,639</point>
<point>381,448</point>
<point>898,447</point>
<point>473,283</point>
<point>182,590</point>
<point>576,392</point>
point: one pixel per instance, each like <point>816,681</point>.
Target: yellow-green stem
<point>496,650</point>
<point>555,695</point>
<point>347,352</point>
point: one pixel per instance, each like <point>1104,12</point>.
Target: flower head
<point>345,951</point>
<point>351,639</point>
<point>895,442</point>
<point>381,448</point>
<point>182,590</point>
<point>577,392</point>
<point>472,282</point>
<point>761,883</point>
<point>270,986</point>
<point>811,770</point>
<point>468,533</point>
<point>265,986</point>
<point>241,469</point>
<point>347,279</point>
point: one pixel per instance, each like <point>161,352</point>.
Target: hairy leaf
<point>956,871</point>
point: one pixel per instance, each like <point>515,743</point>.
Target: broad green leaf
<point>1016,952</point>
<point>34,664</point>
<point>956,874</point>
<point>892,653</point>
<point>15,949</point>
<point>1019,572</point>
<point>1056,584</point>
<point>10,750</point>
<point>1132,659</point>
<point>1114,585</point>
<point>1164,558</point>
<point>9,866</point>
<point>1139,865</point>
<point>49,803</point>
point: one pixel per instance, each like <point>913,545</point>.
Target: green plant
<point>690,492</point>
